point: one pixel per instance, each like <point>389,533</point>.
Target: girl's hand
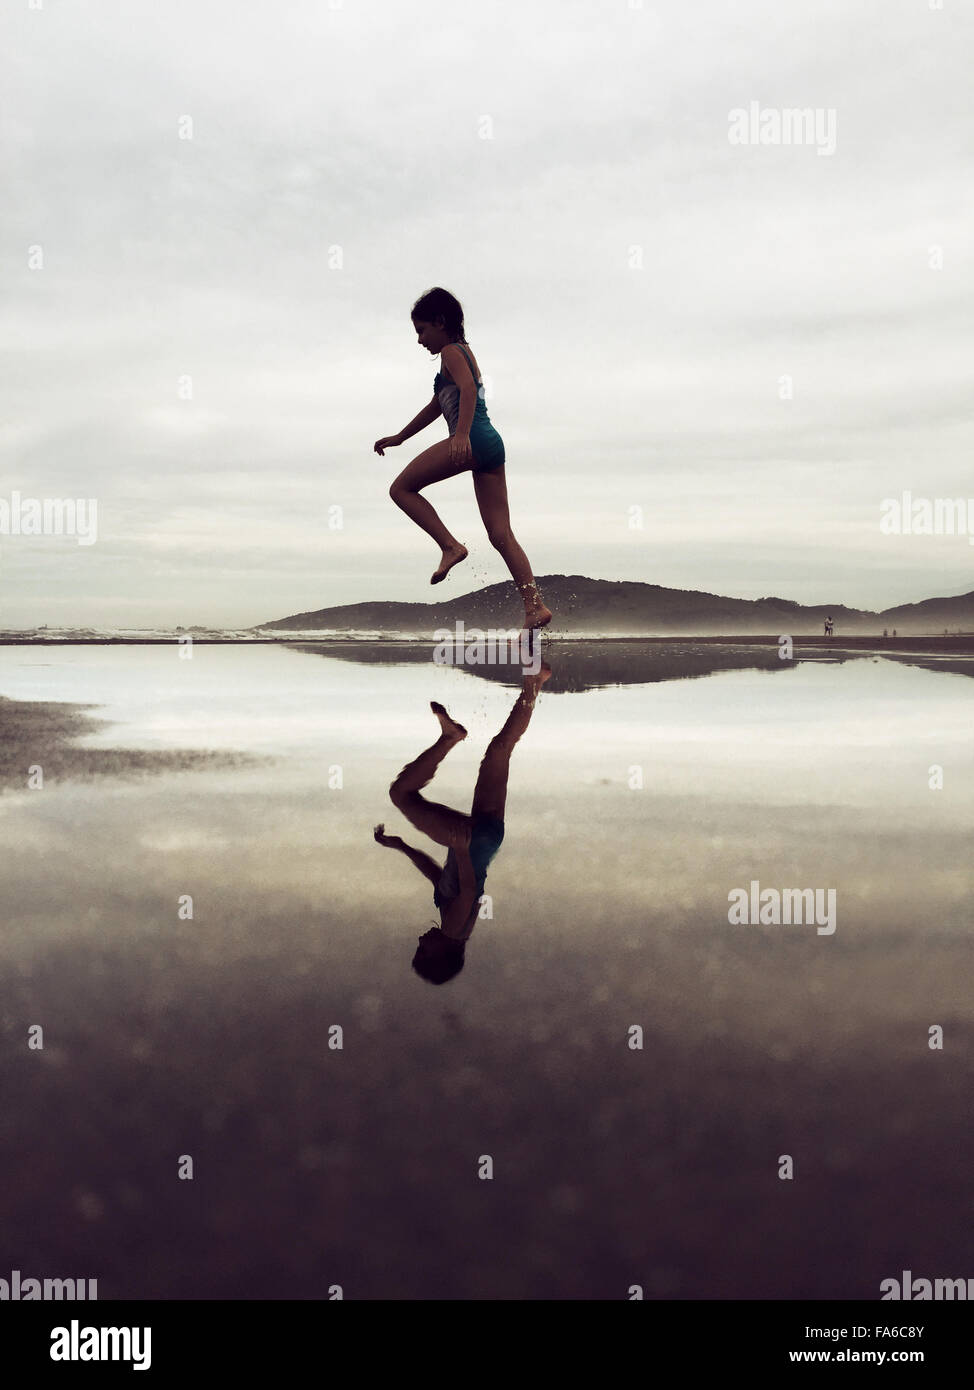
<point>379,834</point>
<point>388,441</point>
<point>460,450</point>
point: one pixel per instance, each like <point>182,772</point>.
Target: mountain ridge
<point>632,607</point>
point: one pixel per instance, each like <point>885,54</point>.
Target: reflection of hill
<point>959,667</point>
<point>589,665</point>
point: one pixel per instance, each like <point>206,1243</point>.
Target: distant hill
<point>627,607</point>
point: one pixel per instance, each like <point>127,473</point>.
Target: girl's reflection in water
<point>472,840</point>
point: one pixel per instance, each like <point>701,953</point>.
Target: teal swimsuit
<point>486,444</point>
<point>486,834</point>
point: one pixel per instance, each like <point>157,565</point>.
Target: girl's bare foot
<point>535,612</point>
<point>449,726</point>
<point>536,615</point>
<point>531,684</point>
<point>451,556</point>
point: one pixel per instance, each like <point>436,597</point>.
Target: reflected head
<point>438,958</point>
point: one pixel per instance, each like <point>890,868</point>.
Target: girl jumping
<point>473,443</point>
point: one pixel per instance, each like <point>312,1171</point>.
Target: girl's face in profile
<point>430,337</point>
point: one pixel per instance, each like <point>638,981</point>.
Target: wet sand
<point>41,733</point>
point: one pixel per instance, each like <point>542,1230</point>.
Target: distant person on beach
<point>473,444</point>
<point>885,633</point>
<point>828,626</point>
<point>473,840</point>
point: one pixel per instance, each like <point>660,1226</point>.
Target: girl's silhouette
<point>472,840</point>
<point>473,443</point>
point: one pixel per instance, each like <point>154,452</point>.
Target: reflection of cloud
<point>172,841</point>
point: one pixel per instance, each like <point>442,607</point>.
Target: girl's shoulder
<point>464,353</point>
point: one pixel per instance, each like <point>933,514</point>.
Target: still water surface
<point>640,794</point>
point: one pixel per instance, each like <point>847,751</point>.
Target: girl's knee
<point>500,539</point>
<point>499,749</point>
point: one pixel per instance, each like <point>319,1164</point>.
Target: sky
<point>710,360</point>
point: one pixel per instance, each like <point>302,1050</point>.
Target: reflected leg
<point>444,824</point>
<point>490,793</point>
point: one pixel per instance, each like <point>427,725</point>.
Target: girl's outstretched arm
<point>423,862</point>
<point>426,416</point>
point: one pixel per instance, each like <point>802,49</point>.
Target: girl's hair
<point>440,968</point>
<point>439,302</point>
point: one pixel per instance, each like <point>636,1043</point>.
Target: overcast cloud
<point>635,286</point>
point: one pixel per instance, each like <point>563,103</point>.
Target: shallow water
<point>634,807</point>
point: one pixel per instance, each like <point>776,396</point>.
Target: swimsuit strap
<point>469,363</point>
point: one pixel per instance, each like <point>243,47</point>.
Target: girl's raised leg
<point>431,466</point>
